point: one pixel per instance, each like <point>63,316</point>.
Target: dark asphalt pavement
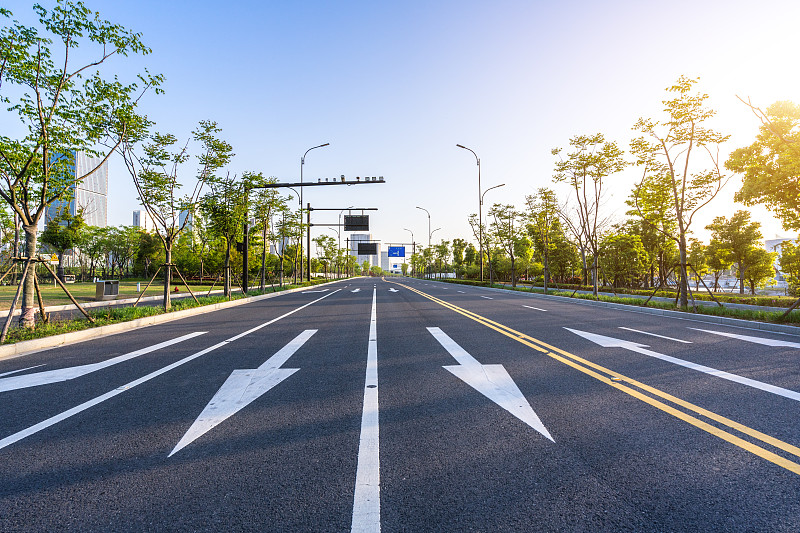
<point>669,428</point>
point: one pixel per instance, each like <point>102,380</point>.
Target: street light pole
<point>429,224</point>
<point>303,162</point>
<point>480,205</point>
<point>340,238</point>
<point>484,194</point>
<point>413,244</point>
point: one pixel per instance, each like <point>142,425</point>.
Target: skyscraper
<point>90,193</point>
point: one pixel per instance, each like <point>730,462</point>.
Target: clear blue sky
<point>394,86</point>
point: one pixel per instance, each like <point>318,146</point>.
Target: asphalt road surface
<point>406,405</point>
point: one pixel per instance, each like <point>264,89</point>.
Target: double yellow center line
<point>626,385</point>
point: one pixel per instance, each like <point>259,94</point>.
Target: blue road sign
<point>397,251</point>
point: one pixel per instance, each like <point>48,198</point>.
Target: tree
<point>225,207</point>
<point>771,165</point>
<point>759,267</point>
<point>64,232</point>
<point>459,245</point>
<point>717,259</point>
<point>404,268</point>
<point>623,259</point>
<point>265,203</point>
<point>737,236</point>
<point>790,262</point>
<point>124,243</point>
<point>155,174</point>
<point>505,231</point>
<point>665,152</point>
<point>585,171</point>
<point>62,108</point>
<point>697,260</point>
<point>543,218</point>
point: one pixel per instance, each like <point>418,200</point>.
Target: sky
<point>394,86</point>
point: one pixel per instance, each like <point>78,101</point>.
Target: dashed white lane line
<point>462,292</point>
<point>487,297</point>
<point>655,335</point>
<point>367,498</point>
<point>536,308</point>
<point>27,432</point>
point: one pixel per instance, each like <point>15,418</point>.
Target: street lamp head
<point>461,146</point>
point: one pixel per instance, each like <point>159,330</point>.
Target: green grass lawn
<point>85,292</point>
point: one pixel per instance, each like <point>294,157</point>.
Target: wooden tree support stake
<point>186,284</point>
<point>660,284</point>
<point>64,288</point>
<point>45,319</point>
<point>212,286</point>
<point>706,286</point>
<point>7,272</point>
<point>147,287</point>
<point>14,303</point>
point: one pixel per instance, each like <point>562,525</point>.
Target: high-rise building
<point>89,192</point>
<point>142,219</point>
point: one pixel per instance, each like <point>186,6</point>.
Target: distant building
<point>355,238</point>
<point>776,245</point>
<point>142,220</point>
<point>90,193</point>
<point>187,217</point>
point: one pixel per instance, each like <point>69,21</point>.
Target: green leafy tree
<point>124,243</point>
<point>759,267</point>
<point>225,207</point>
<point>666,152</point>
<point>697,260</point>
<point>623,259</point>
<point>586,169</point>
<point>62,107</point>
<point>155,175</point>
<point>542,222</point>
<point>459,245</point>
<point>789,262</point>
<point>770,167</point>
<point>505,229</point>
<point>64,232</point>
<point>737,237</point>
<point>717,259</point>
<point>404,268</point>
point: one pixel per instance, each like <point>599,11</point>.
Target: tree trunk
<point>28,314</point>
<point>513,273</point>
<point>227,284</point>
<point>683,282</point>
<point>741,278</point>
<point>595,277</point>
<point>264,258</point>
<point>167,276</point>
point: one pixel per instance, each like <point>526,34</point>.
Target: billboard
<point>356,222</point>
<point>397,251</point>
<point>368,248</point>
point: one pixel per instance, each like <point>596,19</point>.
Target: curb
<point>710,319</point>
<point>36,345</point>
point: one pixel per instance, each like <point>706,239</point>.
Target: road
<point>406,405</point>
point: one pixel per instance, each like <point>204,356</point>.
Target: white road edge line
<point>655,335</point>
<point>65,374</point>
<point>529,307</point>
<point>11,439</point>
<point>21,370</point>
<point>367,499</point>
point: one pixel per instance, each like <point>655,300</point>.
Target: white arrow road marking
<point>242,388</point>
<point>610,342</point>
<point>310,292</point>
<point>488,298</point>
<point>356,290</point>
<point>536,308</point>
<point>65,374</point>
<point>757,340</point>
<point>392,289</point>
<point>367,497</point>
<point>21,370</point>
<point>490,380</point>
<point>655,335</point>
<point>11,439</point>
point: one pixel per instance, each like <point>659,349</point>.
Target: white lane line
<point>610,342</point>
<point>529,307</point>
<point>488,298</point>
<point>66,374</point>
<point>11,439</point>
<point>241,389</point>
<point>367,500</point>
<point>757,340</point>
<point>21,370</point>
<point>493,381</point>
<point>462,292</point>
<point>655,335</point>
